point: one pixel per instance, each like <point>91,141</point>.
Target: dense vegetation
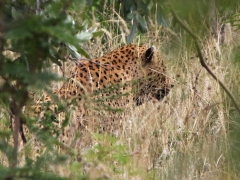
<point>192,134</point>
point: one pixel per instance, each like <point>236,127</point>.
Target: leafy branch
<point>203,63</point>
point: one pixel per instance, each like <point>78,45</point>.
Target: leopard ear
<point>149,54</point>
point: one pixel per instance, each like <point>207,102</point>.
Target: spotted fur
<point>119,80</point>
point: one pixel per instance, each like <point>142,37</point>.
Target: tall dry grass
<point>186,135</point>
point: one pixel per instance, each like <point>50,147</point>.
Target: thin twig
<point>196,41</point>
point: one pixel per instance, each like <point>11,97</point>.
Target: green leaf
<point>84,36</point>
<point>132,32</point>
<point>149,6</point>
<point>18,33</point>
<point>98,33</point>
<point>15,14</point>
<point>130,16</point>
<point>142,22</point>
<point>73,51</point>
<point>161,20</point>
<point>83,52</point>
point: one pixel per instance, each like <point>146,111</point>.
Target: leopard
<point>102,90</point>
<point>120,67</point>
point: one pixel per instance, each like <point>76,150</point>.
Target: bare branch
<point>196,41</point>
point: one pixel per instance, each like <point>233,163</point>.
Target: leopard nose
<point>162,93</point>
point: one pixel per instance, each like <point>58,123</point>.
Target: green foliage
<point>200,14</point>
<point>141,12</point>
<point>33,170</point>
<point>34,35</point>
<point>108,152</point>
<point>235,22</point>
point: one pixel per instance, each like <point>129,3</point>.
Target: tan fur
<point>119,80</point>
